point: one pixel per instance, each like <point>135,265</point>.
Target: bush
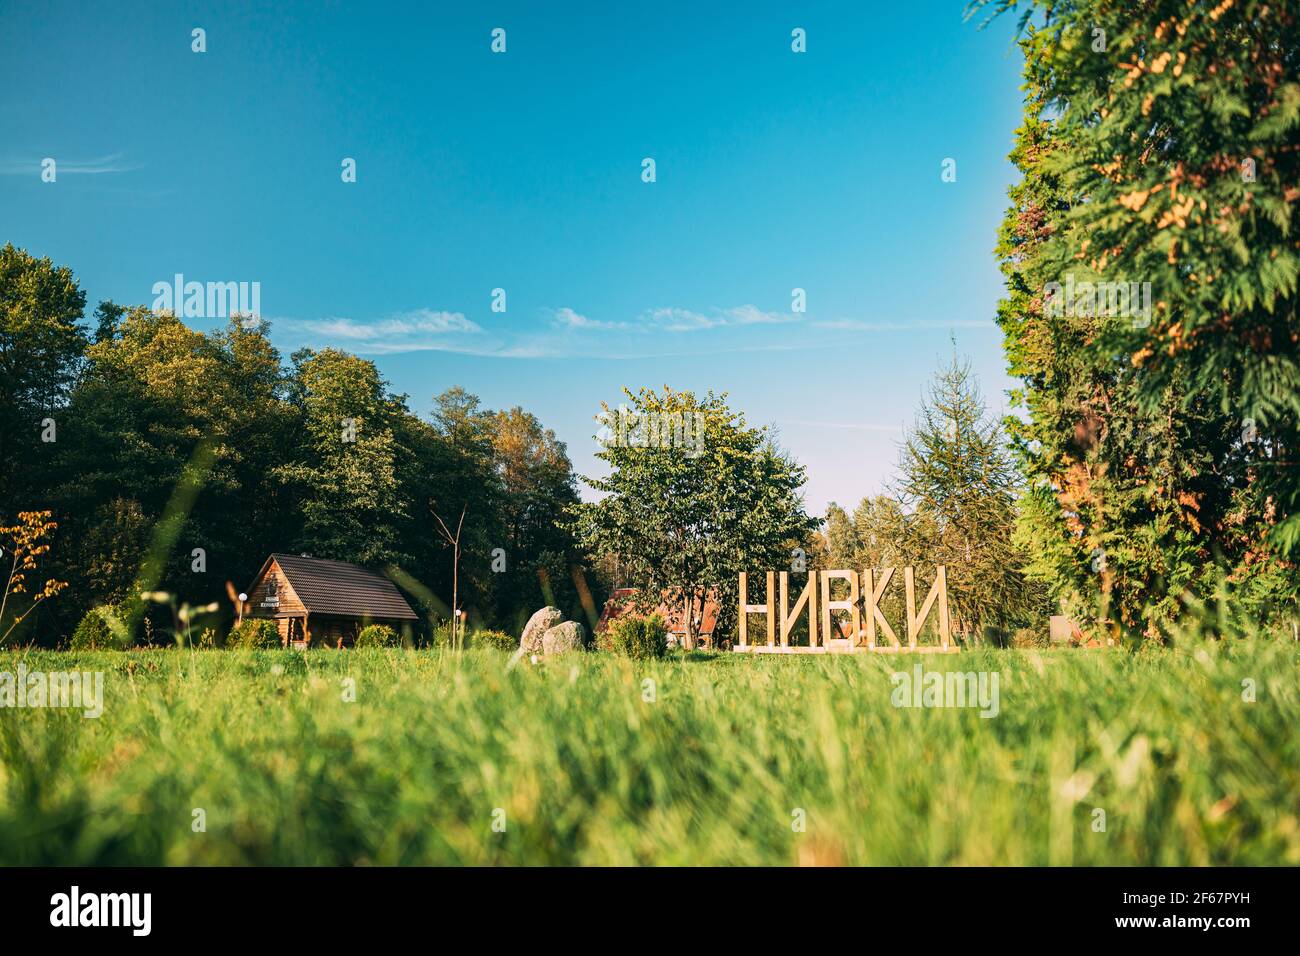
<point>441,635</point>
<point>639,638</point>
<point>377,635</point>
<point>1029,637</point>
<point>499,640</point>
<point>253,633</point>
<point>95,633</point>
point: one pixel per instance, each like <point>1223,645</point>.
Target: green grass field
<point>717,769</point>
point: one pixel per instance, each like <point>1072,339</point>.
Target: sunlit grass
<point>714,770</point>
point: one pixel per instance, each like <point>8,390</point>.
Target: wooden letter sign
<point>826,635</point>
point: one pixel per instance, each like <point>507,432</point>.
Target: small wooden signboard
<point>865,591</point>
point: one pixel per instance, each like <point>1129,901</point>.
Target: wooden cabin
<point>315,602</point>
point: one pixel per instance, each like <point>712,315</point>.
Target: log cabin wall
<point>260,598</point>
<point>331,630</point>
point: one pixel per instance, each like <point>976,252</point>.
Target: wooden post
<point>688,639</point>
<point>873,593</point>
<point>454,541</point>
<point>851,605</point>
<point>743,623</point>
<point>939,592</point>
<point>788,616</point>
<point>747,609</point>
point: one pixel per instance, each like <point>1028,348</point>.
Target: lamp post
<point>242,598</point>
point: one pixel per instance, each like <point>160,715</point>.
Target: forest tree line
<point>177,460</point>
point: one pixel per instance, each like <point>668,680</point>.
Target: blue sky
<point>523,171</point>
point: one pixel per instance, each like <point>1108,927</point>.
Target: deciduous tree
<point>686,517</point>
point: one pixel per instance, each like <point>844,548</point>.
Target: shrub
<point>253,633</point>
<point>377,635</point>
<point>637,637</point>
<point>95,633</point>
<point>1029,637</point>
<point>499,640</point>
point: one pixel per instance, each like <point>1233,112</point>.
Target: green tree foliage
<point>41,344</point>
<point>537,484</point>
<point>873,536</point>
<point>879,533</point>
<point>469,482</point>
<point>686,517</point>
<point>1158,146</point>
<point>344,477</point>
<point>151,392</point>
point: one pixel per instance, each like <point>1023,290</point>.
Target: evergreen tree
<point>958,479</point>
<point>1157,149</point>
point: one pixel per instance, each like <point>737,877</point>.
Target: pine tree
<point>958,479</point>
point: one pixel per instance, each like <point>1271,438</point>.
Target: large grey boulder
<point>563,638</point>
<point>539,624</point>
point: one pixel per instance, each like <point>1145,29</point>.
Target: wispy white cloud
<point>752,315</point>
<point>405,323</point>
<point>414,331</point>
<point>567,318</point>
<point>568,333</point>
<point>680,320</point>
<point>673,319</point>
<point>113,163</point>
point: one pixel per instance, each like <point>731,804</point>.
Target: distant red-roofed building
<point>706,617</point>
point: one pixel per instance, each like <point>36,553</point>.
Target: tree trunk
<point>688,638</point>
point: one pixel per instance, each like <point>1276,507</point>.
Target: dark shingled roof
<point>336,587</point>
